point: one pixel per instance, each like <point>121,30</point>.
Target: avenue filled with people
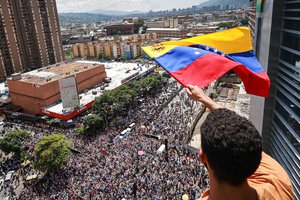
<point>132,167</point>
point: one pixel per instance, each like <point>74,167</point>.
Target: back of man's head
<point>232,144</point>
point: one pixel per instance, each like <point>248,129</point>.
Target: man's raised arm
<point>197,94</point>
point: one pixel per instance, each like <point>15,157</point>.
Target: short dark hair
<point>232,144</point>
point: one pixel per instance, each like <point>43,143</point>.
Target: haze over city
<point>125,5</point>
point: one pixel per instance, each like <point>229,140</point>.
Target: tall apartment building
<point>114,49</point>
<point>278,117</point>
<point>251,16</point>
<point>107,52</point>
<point>29,35</point>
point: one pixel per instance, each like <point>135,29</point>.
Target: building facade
<point>120,29</point>
<point>168,32</point>
<point>251,16</point>
<point>29,35</point>
<point>39,88</point>
<point>127,49</point>
<point>155,24</point>
<point>278,116</point>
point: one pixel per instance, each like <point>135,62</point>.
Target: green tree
<point>80,130</point>
<point>244,21</point>
<point>108,57</point>
<point>144,29</point>
<point>117,102</point>
<point>136,87</point>
<point>53,122</point>
<point>222,24</point>
<point>139,23</point>
<point>69,54</point>
<point>122,57</point>
<point>124,95</point>
<point>14,141</point>
<point>92,124</point>
<point>51,153</point>
<point>149,83</point>
<point>103,103</point>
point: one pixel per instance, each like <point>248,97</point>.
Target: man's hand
<point>197,94</point>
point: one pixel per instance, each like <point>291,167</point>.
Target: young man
<point>231,149</point>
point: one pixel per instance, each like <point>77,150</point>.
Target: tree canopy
<point>92,124</point>
<point>117,102</point>
<point>14,141</point>
<point>51,152</point>
<point>139,23</point>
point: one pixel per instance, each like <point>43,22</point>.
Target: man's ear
<point>202,156</point>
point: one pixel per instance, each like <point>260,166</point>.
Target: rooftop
<point>117,71</point>
<point>122,24</point>
<point>163,29</point>
<point>55,72</point>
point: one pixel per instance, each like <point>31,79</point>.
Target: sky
<point>123,5</point>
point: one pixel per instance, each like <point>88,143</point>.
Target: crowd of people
<point>131,167</point>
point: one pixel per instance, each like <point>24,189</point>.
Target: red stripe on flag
<point>255,83</point>
<point>209,67</point>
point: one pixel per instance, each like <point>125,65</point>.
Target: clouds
<point>124,5</point>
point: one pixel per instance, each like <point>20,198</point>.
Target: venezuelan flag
<point>201,60</point>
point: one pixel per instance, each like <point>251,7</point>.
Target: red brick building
<point>120,29</point>
<point>39,88</point>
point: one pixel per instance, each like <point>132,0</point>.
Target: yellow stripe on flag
<point>156,52</point>
<point>235,40</point>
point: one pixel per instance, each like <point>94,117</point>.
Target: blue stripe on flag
<point>180,57</point>
<point>248,59</point>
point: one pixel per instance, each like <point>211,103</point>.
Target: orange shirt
<point>270,181</point>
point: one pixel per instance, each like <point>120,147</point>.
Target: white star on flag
<point>207,48</point>
<point>197,53</point>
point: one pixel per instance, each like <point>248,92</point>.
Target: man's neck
<point>224,191</point>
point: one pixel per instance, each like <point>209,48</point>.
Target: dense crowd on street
<point>131,167</point>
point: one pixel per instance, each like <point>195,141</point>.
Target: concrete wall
<point>32,105</point>
<point>267,41</point>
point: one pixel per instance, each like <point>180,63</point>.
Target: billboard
<point>68,92</point>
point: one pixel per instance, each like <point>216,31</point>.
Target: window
<point>285,131</point>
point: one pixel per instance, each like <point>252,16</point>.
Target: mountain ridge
<point>223,2</point>
<point>99,15</point>
<point>114,12</point>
